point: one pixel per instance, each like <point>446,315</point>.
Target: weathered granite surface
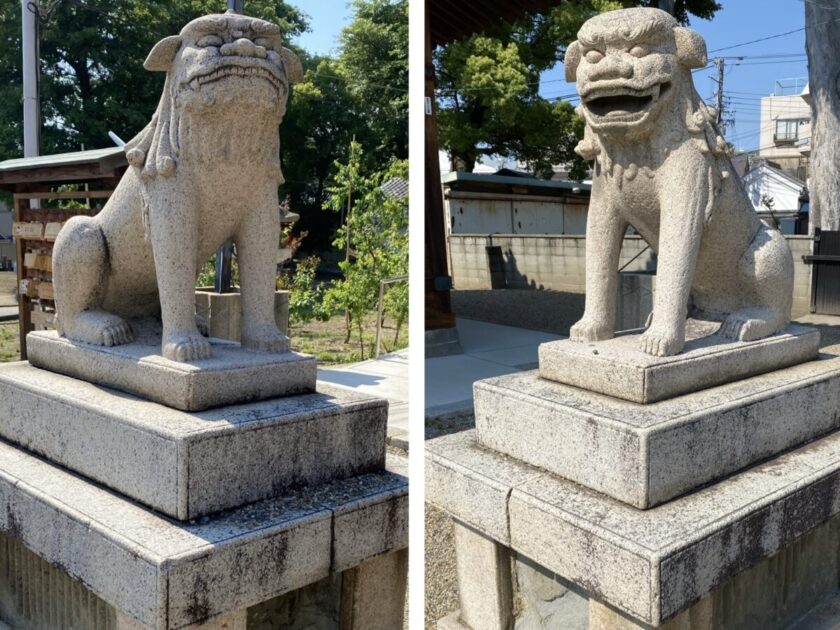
<point>190,464</point>
<point>617,367</point>
<point>661,165</point>
<point>649,564</point>
<point>232,375</point>
<point>167,574</point>
<point>644,455</point>
<point>205,170</point>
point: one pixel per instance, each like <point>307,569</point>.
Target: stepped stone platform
<point>618,367</point>
<point>648,565</point>
<point>232,375</point>
<point>184,464</point>
<point>162,574</point>
<point>645,455</point>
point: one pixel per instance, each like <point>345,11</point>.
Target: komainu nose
<point>243,47</point>
<point>612,67</point>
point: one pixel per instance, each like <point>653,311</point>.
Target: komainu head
<point>629,65</point>
<point>219,65</point>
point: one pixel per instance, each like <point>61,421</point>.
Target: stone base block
<point>645,455</point>
<point>650,565</point>
<point>223,312</point>
<point>617,367</point>
<point>190,464</point>
<point>232,375</point>
<point>168,575</point>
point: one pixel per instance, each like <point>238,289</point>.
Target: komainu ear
<point>571,61</point>
<point>294,69</point>
<point>691,48</point>
<point>163,54</point>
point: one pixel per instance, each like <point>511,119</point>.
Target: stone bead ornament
<point>204,170</point>
<point>661,166</point>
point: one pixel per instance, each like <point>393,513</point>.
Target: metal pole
<point>31,100</point>
<point>236,6</point>
<point>379,316</point>
<point>224,257</point>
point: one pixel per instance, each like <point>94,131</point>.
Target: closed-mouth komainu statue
<point>205,170</point>
<point>662,167</point>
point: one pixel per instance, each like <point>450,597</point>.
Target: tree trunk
<point>823,48</point>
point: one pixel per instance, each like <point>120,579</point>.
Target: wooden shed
<point>47,190</point>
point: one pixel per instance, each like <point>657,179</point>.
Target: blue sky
<point>327,18</point>
<point>746,80</point>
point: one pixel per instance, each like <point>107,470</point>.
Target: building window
<point>787,130</point>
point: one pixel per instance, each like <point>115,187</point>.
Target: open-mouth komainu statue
<point>206,169</point>
<point>661,166</point>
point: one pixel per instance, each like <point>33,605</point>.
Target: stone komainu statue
<point>206,169</point>
<point>662,167</point>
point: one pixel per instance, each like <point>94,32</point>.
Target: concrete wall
<point>556,263</point>
<point>477,213</point>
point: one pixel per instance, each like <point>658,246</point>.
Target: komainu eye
<point>594,56</point>
<point>638,51</point>
<point>263,41</point>
<point>209,40</point>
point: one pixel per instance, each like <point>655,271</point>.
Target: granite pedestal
<point>716,506</point>
<point>231,375</point>
<point>645,455</point>
<point>172,519</point>
<point>648,565</point>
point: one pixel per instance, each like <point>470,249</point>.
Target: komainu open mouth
<point>623,103</point>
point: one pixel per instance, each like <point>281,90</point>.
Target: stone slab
<point>645,455</point>
<point>618,367</point>
<point>649,564</point>
<point>232,375</point>
<point>188,464</point>
<point>169,575</point>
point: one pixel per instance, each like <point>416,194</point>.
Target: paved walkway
<point>386,377</point>
<point>489,350</point>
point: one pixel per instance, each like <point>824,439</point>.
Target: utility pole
<point>31,98</point>
<point>236,6</point>
<point>719,63</point>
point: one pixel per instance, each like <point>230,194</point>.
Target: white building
<point>781,191</point>
<point>785,132</point>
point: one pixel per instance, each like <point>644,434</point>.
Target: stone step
<point>163,574</point>
<point>645,455</point>
<point>650,565</point>
<point>189,464</point>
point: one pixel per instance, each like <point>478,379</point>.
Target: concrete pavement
<point>489,350</point>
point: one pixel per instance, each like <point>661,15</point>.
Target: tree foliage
<point>488,86</point>
<point>377,228</point>
<point>92,76</point>
<point>93,81</point>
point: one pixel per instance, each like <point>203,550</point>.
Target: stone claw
<point>661,343</point>
<point>266,339</point>
<point>186,347</point>
<point>587,330</point>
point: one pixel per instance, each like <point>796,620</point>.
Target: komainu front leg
<point>256,247</point>
<point>682,202</point>
<point>174,234</point>
<point>604,235</point>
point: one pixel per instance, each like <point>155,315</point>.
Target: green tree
<point>92,76</point>
<point>374,62</point>
<point>488,86</point>
<point>377,226</point>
